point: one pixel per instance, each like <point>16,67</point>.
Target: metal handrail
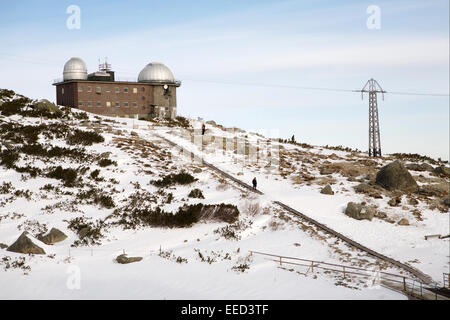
<point>326,263</point>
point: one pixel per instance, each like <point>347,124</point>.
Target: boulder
<point>359,211</point>
<point>363,188</point>
<point>446,202</point>
<point>123,259</point>
<point>45,105</point>
<point>3,246</point>
<point>83,232</point>
<point>442,171</point>
<point>327,190</point>
<point>327,170</point>
<point>394,201</point>
<point>419,167</point>
<point>413,201</point>
<point>52,237</point>
<point>395,176</point>
<point>25,245</point>
<point>403,222</point>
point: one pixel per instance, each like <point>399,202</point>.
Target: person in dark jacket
<point>203,129</point>
<point>254,183</point>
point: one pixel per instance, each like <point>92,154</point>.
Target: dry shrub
<point>222,187</point>
<point>275,225</point>
<point>251,208</point>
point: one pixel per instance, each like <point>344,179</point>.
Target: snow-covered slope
<point>208,259</point>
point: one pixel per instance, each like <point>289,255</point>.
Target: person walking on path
<point>203,129</point>
<point>254,183</point>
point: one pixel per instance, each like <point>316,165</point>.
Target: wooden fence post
<point>312,266</point>
<point>404,284</point>
<point>344,271</point>
<point>280,261</point>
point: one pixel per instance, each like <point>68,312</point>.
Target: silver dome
<point>156,72</point>
<point>75,69</point>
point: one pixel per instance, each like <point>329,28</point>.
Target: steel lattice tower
<point>373,87</point>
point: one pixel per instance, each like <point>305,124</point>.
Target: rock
<point>25,245</point>
<point>363,188</point>
<point>442,171</point>
<point>381,215</point>
<point>83,232</point>
<point>419,167</point>
<point>197,170</point>
<point>403,222</point>
<point>394,201</point>
<point>446,202</point>
<point>327,190</point>
<point>326,170</point>
<point>359,211</point>
<point>52,237</point>
<point>123,259</point>
<point>3,246</point>
<point>105,155</point>
<point>395,176</point>
<point>134,133</point>
<point>413,201</point>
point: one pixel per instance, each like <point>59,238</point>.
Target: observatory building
<point>152,95</point>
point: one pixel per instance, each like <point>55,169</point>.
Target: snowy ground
<point>90,272</point>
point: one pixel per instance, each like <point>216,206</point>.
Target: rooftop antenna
<point>373,87</point>
<point>104,67</point>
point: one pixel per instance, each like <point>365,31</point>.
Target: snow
<point>156,277</point>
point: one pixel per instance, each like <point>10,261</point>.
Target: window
<point>89,104</point>
<point>62,90</point>
<point>107,89</point>
<point>89,89</point>
<point>125,104</point>
<point>117,90</point>
<point>125,90</point>
<point>108,103</point>
<point>117,104</point>
<point>80,103</point>
<point>143,89</point>
<point>98,89</point>
<point>134,90</point>
<point>135,104</point>
<point>143,98</point>
<point>99,103</point>
<point>167,108</point>
<point>80,89</point>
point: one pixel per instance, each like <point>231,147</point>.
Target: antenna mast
<point>373,87</point>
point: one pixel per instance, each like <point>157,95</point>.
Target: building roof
<point>156,72</point>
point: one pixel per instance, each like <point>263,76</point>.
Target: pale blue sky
<point>213,46</point>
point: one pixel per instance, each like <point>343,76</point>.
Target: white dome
<point>156,72</point>
<point>75,69</point>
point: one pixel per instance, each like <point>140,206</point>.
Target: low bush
<point>171,179</point>
<point>86,138</point>
<point>196,193</point>
<point>106,162</point>
<point>67,175</point>
<point>8,158</point>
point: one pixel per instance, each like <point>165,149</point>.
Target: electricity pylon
<point>373,87</point>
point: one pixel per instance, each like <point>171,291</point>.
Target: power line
<point>313,88</point>
<point>253,84</point>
